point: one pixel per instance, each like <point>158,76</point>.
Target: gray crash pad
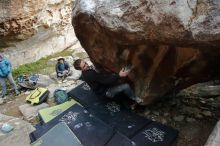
<point>59,135</point>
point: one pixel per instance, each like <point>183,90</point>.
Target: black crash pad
<point>84,95</point>
<point>88,129</point>
<point>120,140</point>
<point>59,135</point>
<point>155,134</point>
<point>112,113</point>
<point>121,119</point>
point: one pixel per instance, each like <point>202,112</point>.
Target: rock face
<point>19,136</point>
<point>31,111</point>
<point>170,44</point>
<point>30,30</point>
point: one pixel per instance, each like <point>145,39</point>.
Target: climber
<point>62,68</point>
<point>106,85</point>
<point>5,73</point>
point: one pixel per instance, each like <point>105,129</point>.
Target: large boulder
<point>30,30</point>
<point>170,44</point>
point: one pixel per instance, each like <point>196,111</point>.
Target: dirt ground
<point>194,134</point>
<point>11,107</point>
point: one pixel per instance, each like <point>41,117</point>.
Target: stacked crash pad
<point>53,137</point>
<point>47,114</point>
<point>88,129</point>
<point>101,121</point>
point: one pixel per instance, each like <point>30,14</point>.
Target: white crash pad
<point>214,138</point>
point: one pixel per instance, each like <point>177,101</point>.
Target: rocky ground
<point>22,116</point>
<point>194,111</point>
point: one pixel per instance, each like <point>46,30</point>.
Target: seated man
<point>103,84</point>
<point>62,68</point>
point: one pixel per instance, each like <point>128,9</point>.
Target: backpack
<point>38,96</point>
<point>60,96</point>
<point>33,79</point>
<point>28,82</point>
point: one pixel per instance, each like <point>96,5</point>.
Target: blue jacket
<point>5,67</point>
<point>59,69</point>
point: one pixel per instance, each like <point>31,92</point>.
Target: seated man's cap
<point>60,58</point>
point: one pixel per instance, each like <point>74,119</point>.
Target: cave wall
<point>30,30</point>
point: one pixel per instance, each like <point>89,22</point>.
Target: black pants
<point>122,88</point>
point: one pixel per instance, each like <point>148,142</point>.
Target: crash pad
<point>118,117</point>
<point>124,121</point>
<point>89,130</point>
<point>47,114</point>
<point>214,137</point>
<point>109,111</point>
<point>120,140</point>
<point>155,134</point>
<point>59,135</point>
<point>84,95</point>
